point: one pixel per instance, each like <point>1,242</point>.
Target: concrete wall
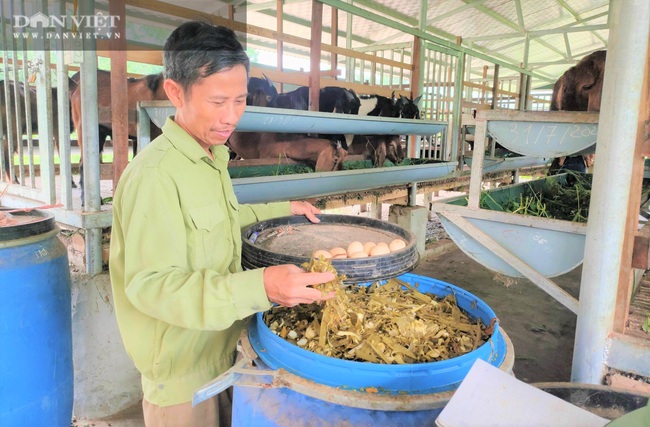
<point>105,379</point>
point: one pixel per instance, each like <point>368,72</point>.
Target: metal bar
<point>63,111</point>
<point>548,286</point>
<point>18,105</point>
<point>413,194</point>
<point>297,187</point>
<point>44,108</point>
<point>9,122</point>
<point>90,125</point>
<point>523,101</point>
<point>426,35</point>
<point>629,27</point>
<point>23,197</point>
<point>457,146</point>
<point>28,115</point>
<point>144,127</point>
<point>261,119</point>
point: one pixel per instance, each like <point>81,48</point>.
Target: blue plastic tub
<point>36,375</point>
<point>323,391</point>
<point>418,378</point>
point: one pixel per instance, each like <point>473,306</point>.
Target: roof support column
<point>629,22</point>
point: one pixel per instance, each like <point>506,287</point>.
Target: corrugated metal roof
<point>494,27</point>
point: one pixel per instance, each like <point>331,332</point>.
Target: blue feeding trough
<point>537,134</point>
<point>309,387</point>
<point>550,246</point>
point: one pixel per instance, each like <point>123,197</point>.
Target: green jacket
<point>181,296</point>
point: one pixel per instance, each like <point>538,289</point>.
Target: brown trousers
<point>214,412</point>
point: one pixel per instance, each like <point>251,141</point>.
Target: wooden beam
<point>315,54</point>
<point>280,46</point>
<point>641,249</point>
<point>416,67</point>
<point>495,86</point>
<point>334,38</point>
<point>119,94</point>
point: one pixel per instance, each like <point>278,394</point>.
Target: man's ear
<point>174,92</point>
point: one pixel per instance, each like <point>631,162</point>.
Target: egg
<point>360,254</point>
<point>339,256</point>
<point>383,244</point>
<point>338,251</point>
<point>379,250</point>
<point>355,247</point>
<point>367,246</point>
<point>396,245</point>
<point>317,254</point>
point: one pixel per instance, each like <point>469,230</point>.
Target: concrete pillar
<point>604,248</point>
<point>412,218</point>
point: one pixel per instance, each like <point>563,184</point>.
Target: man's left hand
<point>306,209</point>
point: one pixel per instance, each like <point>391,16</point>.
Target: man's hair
<point>198,49</point>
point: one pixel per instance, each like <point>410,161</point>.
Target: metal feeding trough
<point>516,245</point>
<point>552,247</point>
<point>293,239</point>
<point>544,134</point>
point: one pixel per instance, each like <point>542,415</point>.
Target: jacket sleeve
<point>158,277</point>
<point>250,214</point>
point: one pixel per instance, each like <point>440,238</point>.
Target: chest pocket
<point>212,242</point>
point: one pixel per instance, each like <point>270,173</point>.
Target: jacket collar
<point>189,147</point>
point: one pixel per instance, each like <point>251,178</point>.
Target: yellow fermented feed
<point>391,323</point>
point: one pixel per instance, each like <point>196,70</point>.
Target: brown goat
<point>321,154</point>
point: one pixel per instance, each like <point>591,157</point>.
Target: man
<point>181,296</point>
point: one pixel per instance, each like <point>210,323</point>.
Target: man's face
<point>210,109</point>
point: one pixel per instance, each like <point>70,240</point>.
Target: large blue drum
<point>36,375</point>
<point>314,390</point>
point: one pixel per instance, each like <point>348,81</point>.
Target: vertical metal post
<point>144,130</point>
<point>44,108</point>
<point>457,111</point>
<point>349,61</point>
<point>629,22</point>
<point>413,193</point>
<point>63,111</point>
<point>90,125</point>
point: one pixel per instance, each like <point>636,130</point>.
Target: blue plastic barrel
<point>333,392</point>
<point>36,375</point>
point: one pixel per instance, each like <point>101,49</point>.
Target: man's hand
<point>289,285</point>
<point>306,209</point>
